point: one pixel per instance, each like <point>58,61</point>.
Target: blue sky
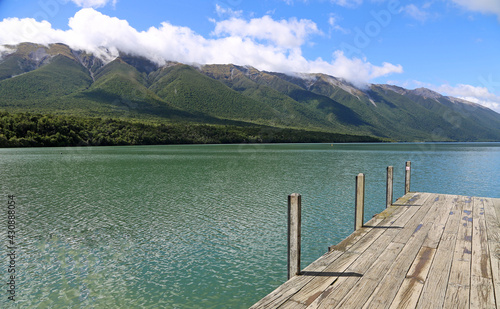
<point>450,46</point>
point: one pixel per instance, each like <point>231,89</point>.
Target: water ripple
<point>190,226</point>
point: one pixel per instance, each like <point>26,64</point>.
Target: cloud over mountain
<point>265,43</point>
<point>479,95</point>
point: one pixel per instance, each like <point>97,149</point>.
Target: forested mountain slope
<point>58,80</point>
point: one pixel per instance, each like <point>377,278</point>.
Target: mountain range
<point>57,79</point>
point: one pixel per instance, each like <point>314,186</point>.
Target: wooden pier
<point>424,251</point>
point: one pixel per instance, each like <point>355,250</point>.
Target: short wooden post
<point>389,191</point>
<point>360,201</point>
<point>407,177</point>
<point>294,222</point>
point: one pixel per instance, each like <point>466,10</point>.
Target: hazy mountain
<point>57,79</point>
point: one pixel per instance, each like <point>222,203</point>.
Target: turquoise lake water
<point>199,226</point>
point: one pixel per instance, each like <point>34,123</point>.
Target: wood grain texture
<point>407,176</point>
<point>294,234</point>
<point>389,194</point>
<point>424,251</point>
<point>413,283</point>
<point>458,291</point>
<point>492,216</point>
<point>360,202</point>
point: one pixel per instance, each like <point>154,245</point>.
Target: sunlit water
<point>199,226</point>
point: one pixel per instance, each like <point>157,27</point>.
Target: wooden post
<point>360,201</point>
<point>407,177</point>
<point>389,191</point>
<point>294,222</point>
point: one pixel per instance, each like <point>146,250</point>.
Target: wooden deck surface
<point>425,251</point>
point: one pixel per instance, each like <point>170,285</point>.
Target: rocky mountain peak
<point>426,93</point>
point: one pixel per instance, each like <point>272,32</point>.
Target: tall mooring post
<point>360,201</point>
<point>407,176</point>
<point>294,222</point>
<point>389,190</point>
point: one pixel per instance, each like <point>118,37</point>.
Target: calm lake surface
<point>199,226</point>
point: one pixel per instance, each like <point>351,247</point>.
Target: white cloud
<point>482,6</point>
<point>291,2</point>
<point>358,71</point>
<point>466,90</point>
<point>348,3</point>
<point>413,11</point>
<point>5,51</point>
<point>284,33</point>
<point>332,21</point>
<point>427,5</point>
<point>15,30</point>
<point>264,43</point>
<point>479,95</point>
<point>221,11</point>
<point>93,3</point>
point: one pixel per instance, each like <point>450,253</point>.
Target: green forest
<point>37,130</point>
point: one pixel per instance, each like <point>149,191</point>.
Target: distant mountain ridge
<point>58,79</point>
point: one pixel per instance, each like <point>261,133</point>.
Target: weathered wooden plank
<point>492,216</point>
<point>320,282</point>
<point>389,192</point>
<point>443,204</point>
<point>282,293</point>
<point>409,293</point>
<point>426,210</point>
<point>482,287</point>
<point>458,291</point>
<point>481,266</point>
<point>315,287</point>
<point>410,199</point>
<point>363,288</point>
<point>331,273</point>
<point>386,217</point>
<point>412,237</point>
<point>292,286</point>
<point>344,284</point>
<point>482,293</point>
<point>407,176</point>
<point>411,288</point>
<point>386,290</point>
<point>295,284</point>
<point>401,211</point>
<point>357,297</point>
<point>360,202</point>
<point>425,251</point>
<point>294,234</point>
<point>435,287</point>
<point>395,216</point>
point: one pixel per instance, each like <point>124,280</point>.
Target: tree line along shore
<point>47,130</point>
